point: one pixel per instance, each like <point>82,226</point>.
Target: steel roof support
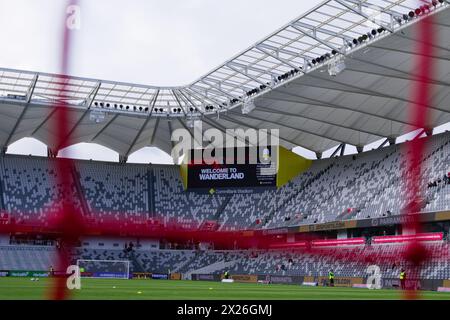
<point>248,76</point>
<point>299,24</point>
<point>211,99</point>
<point>393,14</point>
<point>105,127</point>
<point>123,159</point>
<point>219,89</point>
<point>138,135</point>
<point>30,90</point>
<point>91,97</point>
<point>269,47</point>
<point>392,140</point>
<point>218,84</point>
<point>339,147</point>
<point>314,36</point>
<point>155,128</point>
<point>185,97</point>
<point>277,57</point>
<point>200,143</point>
<point>343,149</point>
<point>359,11</point>
<point>44,122</point>
<point>250,67</point>
<point>153,102</point>
<point>418,135</point>
<point>89,100</point>
<point>385,142</point>
<point>169,124</point>
<point>24,110</point>
<point>179,102</point>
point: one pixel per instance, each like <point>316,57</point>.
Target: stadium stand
<point>118,192</point>
<point>174,205</point>
<point>38,258</point>
<point>366,90</point>
<point>272,262</point>
<point>354,187</point>
<point>30,188</point>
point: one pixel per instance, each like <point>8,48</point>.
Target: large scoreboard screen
<point>247,167</point>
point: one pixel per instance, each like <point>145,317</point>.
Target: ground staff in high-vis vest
<point>331,278</point>
<point>403,279</point>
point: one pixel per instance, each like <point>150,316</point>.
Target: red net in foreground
<point>70,224</point>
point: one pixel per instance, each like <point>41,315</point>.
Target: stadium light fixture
<point>248,107</point>
<point>97,116</point>
<point>190,122</point>
<point>336,66</point>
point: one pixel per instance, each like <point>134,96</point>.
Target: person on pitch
<point>403,279</point>
<point>331,278</point>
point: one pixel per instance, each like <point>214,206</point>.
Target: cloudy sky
<point>155,42</point>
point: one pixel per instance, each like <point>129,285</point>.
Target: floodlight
<point>248,107</point>
<point>97,116</point>
<point>336,66</point>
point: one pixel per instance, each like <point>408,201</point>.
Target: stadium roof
<point>369,45</point>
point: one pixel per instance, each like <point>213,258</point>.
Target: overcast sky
<point>154,42</point>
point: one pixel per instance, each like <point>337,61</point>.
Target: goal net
<point>104,268</point>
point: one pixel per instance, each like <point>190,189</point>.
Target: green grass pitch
<point>106,289</point>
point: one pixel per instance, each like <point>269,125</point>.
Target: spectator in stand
<point>446,179</point>
<point>290,262</point>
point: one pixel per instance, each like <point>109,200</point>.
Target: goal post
<point>104,269</point>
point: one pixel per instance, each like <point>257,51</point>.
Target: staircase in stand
<point>220,210</point>
<point>80,192</point>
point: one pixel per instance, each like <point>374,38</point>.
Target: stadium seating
<point>120,192</point>
<point>360,186</point>
<point>174,205</point>
<point>33,258</point>
<point>30,188</point>
<point>272,262</point>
